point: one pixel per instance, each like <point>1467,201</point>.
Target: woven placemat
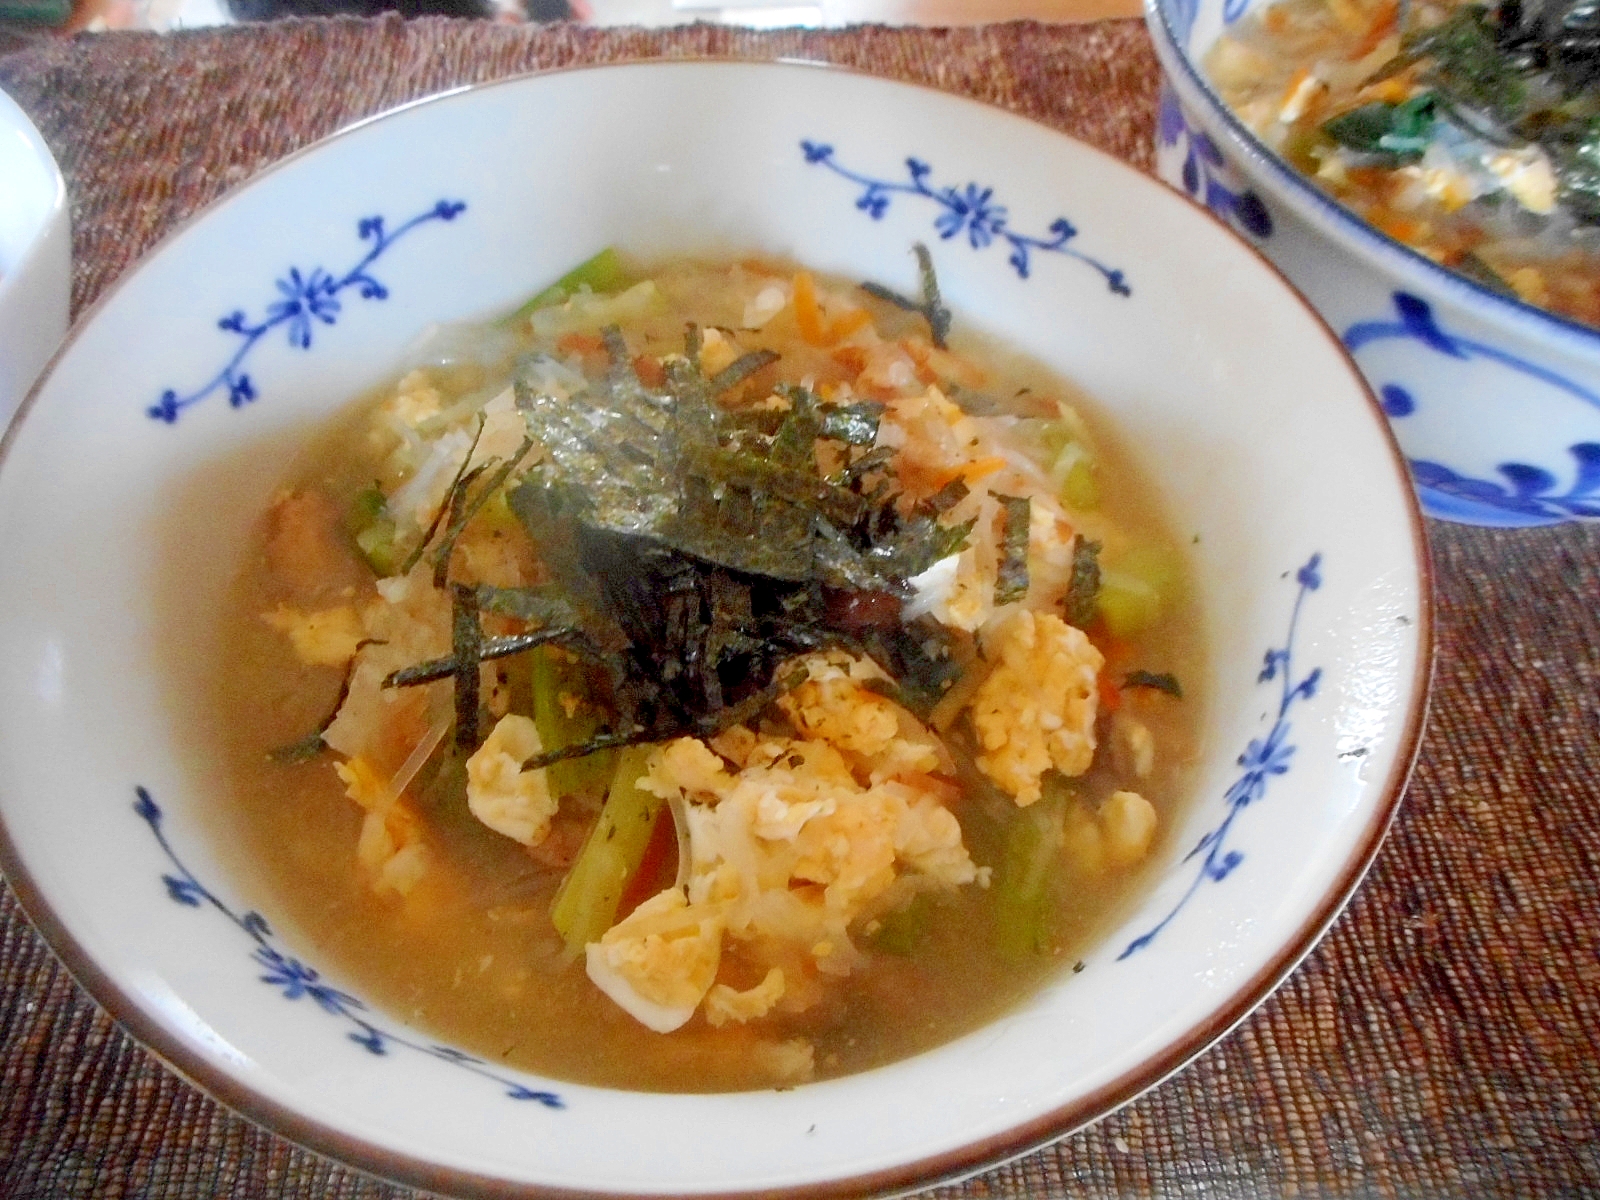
<point>1439,1042</point>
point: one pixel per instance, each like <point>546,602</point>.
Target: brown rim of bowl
<point>957,1163</point>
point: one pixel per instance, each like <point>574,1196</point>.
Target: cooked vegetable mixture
<point>1469,132</point>
<point>708,677</point>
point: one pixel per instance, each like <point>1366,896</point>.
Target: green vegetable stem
<point>586,903</point>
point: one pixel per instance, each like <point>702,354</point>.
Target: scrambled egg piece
<point>325,638</point>
<point>415,400</point>
<point>793,848</point>
<point>725,1004</point>
<point>1036,710</point>
<point>659,962</point>
<point>833,705</point>
<point>500,793</point>
<point>1118,834</point>
<point>408,623</point>
<point>391,850</point>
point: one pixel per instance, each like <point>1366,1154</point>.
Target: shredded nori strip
<point>421,547</point>
<point>312,744</point>
<point>463,510</point>
<point>466,640</point>
<point>1083,588</point>
<point>694,551</point>
<point>739,370</point>
<point>490,649</point>
<point>1162,682</point>
<point>543,606</point>
<point>854,424</point>
<point>1011,576</point>
<point>931,306</point>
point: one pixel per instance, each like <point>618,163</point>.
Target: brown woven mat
<point>1440,1041</point>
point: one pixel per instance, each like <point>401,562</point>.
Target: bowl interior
<point>1238,404</point>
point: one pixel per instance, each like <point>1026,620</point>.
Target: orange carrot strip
<point>807,314</point>
<point>844,325</point>
<point>581,343</point>
<point>649,370</point>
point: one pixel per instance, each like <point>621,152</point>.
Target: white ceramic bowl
<point>182,394</point>
<point>35,255</point>
<point>1495,403</point>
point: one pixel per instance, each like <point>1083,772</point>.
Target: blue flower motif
<point>1529,494</point>
<point>1205,171</point>
<point>968,208</point>
<point>305,299</point>
<point>296,980</point>
<point>1263,758</point>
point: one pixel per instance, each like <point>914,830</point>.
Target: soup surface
<point>867,654</point>
<point>1469,132</point>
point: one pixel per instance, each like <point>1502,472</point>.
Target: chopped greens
<point>1011,580</point>
<point>1083,591</point>
<point>1393,133</point>
<point>604,272</point>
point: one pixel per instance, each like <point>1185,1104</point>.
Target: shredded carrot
<point>1383,25</point>
<point>1295,82</point>
<point>851,358</point>
<point>649,370</point>
<point>942,364</point>
<point>851,322</point>
<point>807,313</point>
<point>1110,693</point>
<point>581,343</point>
<point>1402,229</point>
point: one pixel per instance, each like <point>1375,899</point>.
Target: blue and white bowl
<point>154,440</point>
<point>1495,403</point>
<point>35,255</point>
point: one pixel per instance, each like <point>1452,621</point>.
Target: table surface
<point>1440,1040</point>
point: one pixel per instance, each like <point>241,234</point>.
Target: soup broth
<point>1011,827</point>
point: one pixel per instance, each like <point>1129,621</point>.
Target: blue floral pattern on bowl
<point>1528,493</point>
<point>971,209</point>
<point>1262,759</point>
<point>306,299</point>
<point>1206,173</point>
<point>294,980</point>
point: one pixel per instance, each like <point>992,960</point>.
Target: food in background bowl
<point>1495,402</point>
<point>1469,133</point>
<point>187,392</point>
<point>718,646</point>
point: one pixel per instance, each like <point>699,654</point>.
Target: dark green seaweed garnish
<point>1521,72</point>
<point>1011,577</point>
<point>312,744</point>
<point>931,306</point>
<point>1392,134</point>
<point>1083,588</point>
<point>464,507</point>
<point>443,511</point>
<point>1162,682</point>
<point>694,549</point>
